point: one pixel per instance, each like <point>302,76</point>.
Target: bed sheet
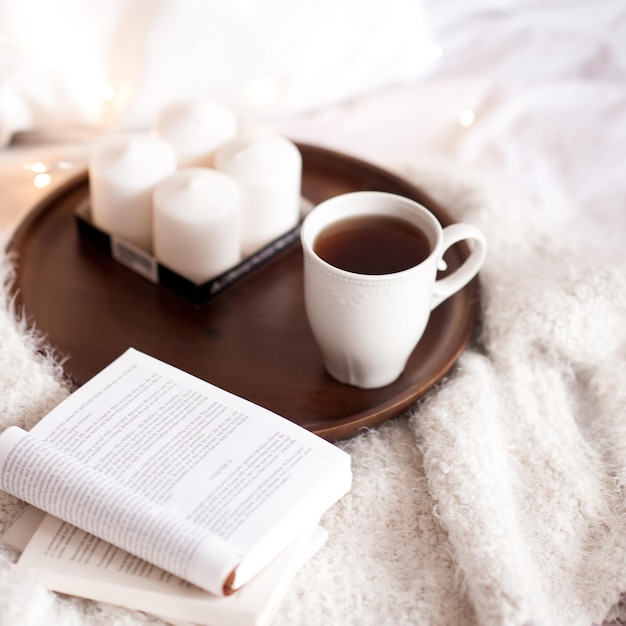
<point>529,94</point>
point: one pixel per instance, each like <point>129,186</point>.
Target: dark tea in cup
<point>373,244</point>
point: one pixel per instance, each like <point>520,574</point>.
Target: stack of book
<point>157,491</point>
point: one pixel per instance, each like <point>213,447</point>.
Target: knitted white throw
<point>499,500</point>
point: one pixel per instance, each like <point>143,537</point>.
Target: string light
<point>466,118</point>
<point>38,168</point>
<point>42,180</point>
<point>43,172</point>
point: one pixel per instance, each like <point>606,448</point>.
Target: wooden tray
<point>253,339</point>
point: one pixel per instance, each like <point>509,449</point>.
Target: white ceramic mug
<point>367,325</point>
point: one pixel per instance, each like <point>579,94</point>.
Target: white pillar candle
<point>122,173</point>
<point>196,129</point>
<point>197,223</point>
<point>268,170</point>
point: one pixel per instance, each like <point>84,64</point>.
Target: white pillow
<point>102,64</point>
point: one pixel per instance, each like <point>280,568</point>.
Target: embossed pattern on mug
<point>346,295</point>
<point>349,295</point>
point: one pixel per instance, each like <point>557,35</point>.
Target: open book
<point>68,560</point>
<point>186,476</point>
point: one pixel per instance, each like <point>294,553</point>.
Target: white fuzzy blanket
<point>497,500</point>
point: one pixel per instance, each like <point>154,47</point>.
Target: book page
<point>54,481</point>
<point>228,468</point>
<point>21,530</point>
<point>69,560</point>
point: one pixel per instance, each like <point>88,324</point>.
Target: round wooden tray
<point>253,339</point>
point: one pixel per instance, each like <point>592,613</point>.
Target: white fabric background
<point>104,64</point>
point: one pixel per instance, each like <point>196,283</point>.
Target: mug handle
<point>445,287</point>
